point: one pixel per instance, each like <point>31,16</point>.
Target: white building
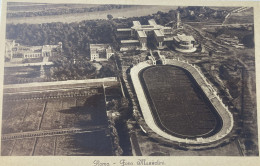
<point>15,50</point>
<point>140,32</point>
<point>184,43</point>
<point>100,52</point>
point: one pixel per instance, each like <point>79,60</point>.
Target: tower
<point>178,24</point>
<point>60,45</point>
<point>42,71</point>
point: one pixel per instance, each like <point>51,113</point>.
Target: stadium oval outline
<point>208,90</point>
<point>204,109</point>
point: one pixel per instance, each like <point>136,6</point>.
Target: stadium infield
<point>178,105</point>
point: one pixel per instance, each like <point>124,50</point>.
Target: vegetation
<point>200,14</point>
<point>248,40</point>
<point>244,34</point>
<point>65,69</point>
<point>73,62</point>
<point>75,37</point>
<point>109,16</point>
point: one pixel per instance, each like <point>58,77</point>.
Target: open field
<point>67,111</point>
<point>14,75</point>
<point>135,11</point>
<point>85,144</point>
<point>178,105</point>
<point>46,114</point>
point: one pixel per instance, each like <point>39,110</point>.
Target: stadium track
<point>211,94</point>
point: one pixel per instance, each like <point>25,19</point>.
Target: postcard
<point>119,83</point>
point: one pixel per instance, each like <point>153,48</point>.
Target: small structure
<point>9,45</point>
<point>151,57</point>
<point>100,52</point>
<point>184,43</point>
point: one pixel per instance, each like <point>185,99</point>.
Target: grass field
<point>56,113</point>
<point>177,103</point>
<point>87,144</point>
<point>15,75</point>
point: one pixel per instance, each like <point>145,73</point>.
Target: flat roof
<point>168,39</point>
<point>109,50</point>
<point>167,27</point>
<point>152,22</point>
<point>184,38</point>
<point>141,34</point>
<point>98,46</point>
<point>124,29</point>
<point>151,26</point>
<point>129,41</point>
<point>147,26</point>
<point>159,33</point>
<point>136,23</point>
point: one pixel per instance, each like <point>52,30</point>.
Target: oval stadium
<point>179,104</point>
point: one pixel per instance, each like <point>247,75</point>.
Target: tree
<point>248,41</point>
<point>109,16</point>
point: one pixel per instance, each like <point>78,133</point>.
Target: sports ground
<point>56,122</point>
<point>178,105</point>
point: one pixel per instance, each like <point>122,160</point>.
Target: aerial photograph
<point>128,80</point>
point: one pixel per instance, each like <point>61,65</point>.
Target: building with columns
<point>141,32</point>
<point>184,43</point>
<point>100,52</point>
<point>158,35</point>
<point>15,50</point>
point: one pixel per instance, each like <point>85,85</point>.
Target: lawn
<point>178,105</point>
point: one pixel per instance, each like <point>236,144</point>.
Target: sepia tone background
<point>168,160</point>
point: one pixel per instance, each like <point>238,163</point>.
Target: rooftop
<point>184,38</point>
<point>141,34</point>
<point>124,29</point>
<point>129,41</point>
<point>167,27</point>
<point>168,39</point>
<point>98,46</point>
<point>151,26</point>
<point>152,22</point>
<point>136,23</point>
<point>109,50</point>
<point>158,33</point>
